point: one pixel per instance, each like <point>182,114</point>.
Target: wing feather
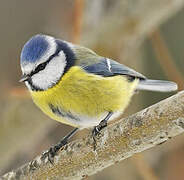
<point>107,67</point>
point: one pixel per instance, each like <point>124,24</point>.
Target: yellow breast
<point>85,94</point>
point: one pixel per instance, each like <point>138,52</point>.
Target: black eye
<point>41,67</point>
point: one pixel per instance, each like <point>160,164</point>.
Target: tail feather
<point>157,85</point>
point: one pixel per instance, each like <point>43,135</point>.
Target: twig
<point>120,140</point>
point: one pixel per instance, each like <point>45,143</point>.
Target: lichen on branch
<point>120,140</point>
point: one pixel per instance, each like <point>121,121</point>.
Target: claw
<point>52,152</point>
<point>96,132</point>
<point>50,155</point>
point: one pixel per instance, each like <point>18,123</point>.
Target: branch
<point>120,140</point>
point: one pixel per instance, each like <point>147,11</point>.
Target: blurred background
<point>121,30</point>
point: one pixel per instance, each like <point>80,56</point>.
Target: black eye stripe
<point>40,67</point>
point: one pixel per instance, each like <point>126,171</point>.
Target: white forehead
<point>27,66</point>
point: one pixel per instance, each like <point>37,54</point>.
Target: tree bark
<point>120,140</point>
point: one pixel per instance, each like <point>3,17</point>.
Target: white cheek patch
<point>51,74</point>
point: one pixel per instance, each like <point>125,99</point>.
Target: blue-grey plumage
<point>157,85</point>
<point>107,67</point>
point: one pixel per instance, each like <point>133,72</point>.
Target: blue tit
<point>74,85</point>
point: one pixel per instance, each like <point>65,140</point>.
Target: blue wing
<point>107,67</point>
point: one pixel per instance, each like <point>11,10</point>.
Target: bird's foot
<point>52,152</point>
<point>96,131</point>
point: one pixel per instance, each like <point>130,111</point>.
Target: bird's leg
<point>53,150</point>
<point>98,128</point>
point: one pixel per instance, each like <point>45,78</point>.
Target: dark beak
<point>24,78</point>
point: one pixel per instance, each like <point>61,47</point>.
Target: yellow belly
<point>83,94</point>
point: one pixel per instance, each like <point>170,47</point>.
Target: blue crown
<point>34,49</point>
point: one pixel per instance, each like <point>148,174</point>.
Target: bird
<point>75,86</point>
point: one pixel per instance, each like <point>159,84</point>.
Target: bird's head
<point>44,60</point>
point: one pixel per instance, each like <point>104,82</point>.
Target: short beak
<point>24,78</point>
